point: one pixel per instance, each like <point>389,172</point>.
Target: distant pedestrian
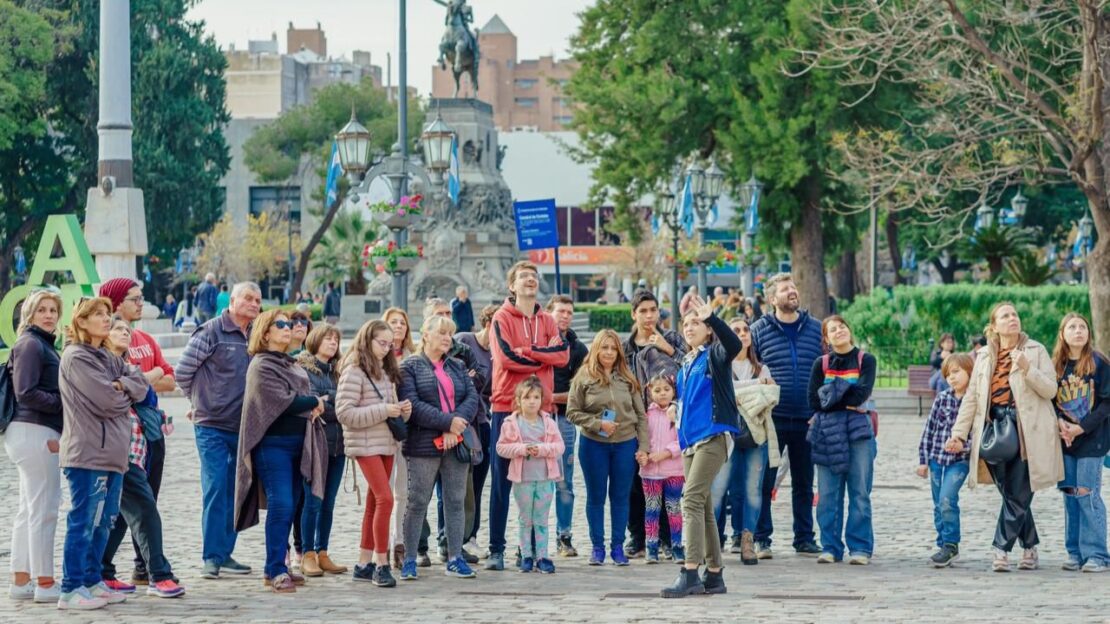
<point>332,304</point>
<point>462,311</point>
<point>223,299</point>
<point>206,299</point>
<point>169,308</point>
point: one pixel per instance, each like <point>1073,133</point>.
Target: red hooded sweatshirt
<point>520,348</point>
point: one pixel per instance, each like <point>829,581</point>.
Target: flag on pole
<point>335,169</point>
<point>453,172</point>
<point>751,216</point>
<point>713,214</point>
<point>686,212</point>
<point>654,223</point>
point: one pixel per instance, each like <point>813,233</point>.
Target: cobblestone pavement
<point>897,587</point>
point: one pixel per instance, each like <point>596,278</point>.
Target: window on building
<point>524,83</point>
<point>279,201</point>
<point>563,120</point>
<point>527,102</point>
<point>583,227</point>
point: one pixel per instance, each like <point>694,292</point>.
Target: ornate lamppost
<point>751,192</point>
<point>667,212</point>
<point>705,188</point>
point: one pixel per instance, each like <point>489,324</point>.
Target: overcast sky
<point>542,26</point>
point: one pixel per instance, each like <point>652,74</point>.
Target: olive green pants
<point>699,526</point>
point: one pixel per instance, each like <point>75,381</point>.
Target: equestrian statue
<point>459,46</point>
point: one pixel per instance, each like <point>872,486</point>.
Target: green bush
<point>315,310</point>
<point>897,326</point>
<point>617,317</point>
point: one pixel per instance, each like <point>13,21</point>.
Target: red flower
<point>392,245</point>
<point>366,264</point>
<point>380,268</point>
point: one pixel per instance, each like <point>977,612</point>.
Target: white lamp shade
<point>353,143</point>
<point>714,181</point>
<point>437,138</point>
<point>697,179</point>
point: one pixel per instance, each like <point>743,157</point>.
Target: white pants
<point>40,494</point>
<point>399,483</point>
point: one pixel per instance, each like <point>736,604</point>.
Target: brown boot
<point>398,556</point>
<point>747,549</point>
<point>327,565</point>
<point>310,566</point>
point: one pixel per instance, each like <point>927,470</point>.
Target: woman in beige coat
<point>1014,377</point>
<point>366,397</point>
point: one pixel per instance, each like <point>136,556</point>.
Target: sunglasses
<point>283,324</point>
<point>301,322</point>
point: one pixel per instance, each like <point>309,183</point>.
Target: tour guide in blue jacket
<point>788,341</point>
<point>707,418</point>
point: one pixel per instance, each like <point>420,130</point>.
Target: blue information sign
<point>536,226</point>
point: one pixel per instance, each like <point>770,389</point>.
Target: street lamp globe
<point>1086,228</point>
<point>353,144</point>
<point>714,181</point>
<point>437,139</point>
<point>667,203</point>
<point>984,216</point>
<point>696,175</point>
<point>1019,204</point>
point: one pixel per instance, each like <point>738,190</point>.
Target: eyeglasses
<point>301,322</point>
<point>385,344</point>
<point>137,299</point>
<point>283,324</point>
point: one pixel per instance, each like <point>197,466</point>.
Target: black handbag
<point>398,428</point>
<point>999,443</point>
<point>469,450</point>
<point>7,397</point>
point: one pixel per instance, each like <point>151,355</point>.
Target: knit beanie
<point>116,289</point>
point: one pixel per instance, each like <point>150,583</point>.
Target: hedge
<point>898,325</point>
<point>315,310</point>
<point>615,316</point>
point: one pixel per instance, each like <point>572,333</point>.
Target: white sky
<point>542,26</point>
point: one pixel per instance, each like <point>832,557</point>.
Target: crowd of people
<point>680,433</point>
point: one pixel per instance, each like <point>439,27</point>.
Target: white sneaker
<point>859,560</point>
<point>100,590</point>
<point>826,558</point>
<point>80,599</point>
<point>1029,559</point>
<point>1001,560</point>
<point>48,594</point>
<point>1094,566</point>
<point>21,592</point>
<point>472,547</point>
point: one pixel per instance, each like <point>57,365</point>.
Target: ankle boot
<point>327,565</point>
<point>686,584</point>
<point>747,549</point>
<point>398,556</point>
<point>310,566</point>
<point>714,582</point>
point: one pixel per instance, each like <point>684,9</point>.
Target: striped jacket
<point>213,373</point>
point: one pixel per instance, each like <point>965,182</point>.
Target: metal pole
<point>400,280</point>
<point>675,294</point>
<point>703,273</point>
<point>747,245</point>
<point>289,238</point>
<point>874,247</point>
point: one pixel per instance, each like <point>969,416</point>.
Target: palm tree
<point>339,258</point>
<point>1029,269</point>
<point>997,243</point>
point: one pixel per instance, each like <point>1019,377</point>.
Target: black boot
<point>686,584</point>
<point>714,582</point>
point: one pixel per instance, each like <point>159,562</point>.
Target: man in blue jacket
<point>788,341</point>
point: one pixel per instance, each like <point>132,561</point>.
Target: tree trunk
<point>310,246</point>
<point>846,276</point>
<point>892,247</point>
<point>807,252</point>
<point>1098,279</point>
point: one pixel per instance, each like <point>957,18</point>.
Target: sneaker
<point>652,555</point>
<point>527,564</point>
<point>495,561</point>
<point>383,577</point>
<point>458,568</point>
<point>364,572</point>
<point>633,550</point>
<point>859,560</point>
<point>469,557</point>
<point>826,557</point>
<point>283,584</point>
<point>597,556</point>
<point>423,560</point>
<point>666,552</point>
<point>119,586</point>
<point>211,569</point>
<point>808,549</point>
<point>297,579</point>
<point>763,550</point>
<point>545,566</point>
<point>714,582</point>
<point>165,589</point>
<point>22,592</point>
<point>80,599</point>
<point>747,549</point>
<point>678,554</point>
<point>734,548</point>
<point>441,552</point>
<point>1071,565</point>
<point>686,584</point>
<point>139,576</point>
<point>1095,567</point>
<point>100,590</point>
<point>1001,560</point>
<point>566,549</point>
<point>408,570</point>
<point>472,548</point>
<point>48,594</point>
<point>945,556</point>
<point>1029,559</point>
<point>618,556</point>
<point>232,566</point>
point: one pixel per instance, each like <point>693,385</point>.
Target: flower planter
<point>395,221</point>
<point>404,263</point>
<point>707,256</point>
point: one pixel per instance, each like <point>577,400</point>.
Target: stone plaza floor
<point>897,587</point>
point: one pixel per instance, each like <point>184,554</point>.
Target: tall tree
<point>302,137</point>
<point>663,80</point>
<point>1016,93</point>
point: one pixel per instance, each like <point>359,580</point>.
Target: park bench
<point>919,376</point>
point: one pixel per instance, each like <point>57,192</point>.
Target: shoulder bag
<point>999,443</point>
<point>398,428</point>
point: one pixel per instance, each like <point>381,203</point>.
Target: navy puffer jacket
<point>428,421</point>
<point>790,363</point>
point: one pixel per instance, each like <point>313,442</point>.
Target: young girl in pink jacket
<point>661,470</point>
<point>530,439</point>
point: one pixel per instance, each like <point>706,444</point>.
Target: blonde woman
<point>398,321</point>
<point>31,441</point>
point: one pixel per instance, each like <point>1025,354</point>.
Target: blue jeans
<point>94,504</point>
<point>607,466</point>
<point>793,443</point>
<point>277,461</point>
<point>1084,514</point>
<point>830,508</point>
<point>499,488</point>
<point>317,514</point>
<point>946,482</point>
<point>745,488</point>
<point>218,450</point>
<point>564,489</point>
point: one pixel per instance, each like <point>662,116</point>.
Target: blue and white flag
<point>714,213</point>
<point>654,223</point>
<point>751,215</point>
<point>453,172</point>
<point>335,169</point>
<point>686,210</point>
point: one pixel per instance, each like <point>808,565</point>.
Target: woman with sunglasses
<point>302,325</point>
<point>278,427</point>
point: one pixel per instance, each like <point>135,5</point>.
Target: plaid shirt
<point>937,431</point>
<point>136,452</point>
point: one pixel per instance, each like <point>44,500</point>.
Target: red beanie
<point>116,290</point>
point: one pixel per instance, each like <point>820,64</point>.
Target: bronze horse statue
<point>459,46</point>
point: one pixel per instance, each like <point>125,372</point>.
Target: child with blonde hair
<point>661,470</point>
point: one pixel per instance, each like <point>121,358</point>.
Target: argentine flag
<point>751,216</point>
<point>453,172</point>
<point>335,169</point>
<point>686,211</point>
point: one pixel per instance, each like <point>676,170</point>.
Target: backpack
<point>869,404</point>
<point>7,397</point>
